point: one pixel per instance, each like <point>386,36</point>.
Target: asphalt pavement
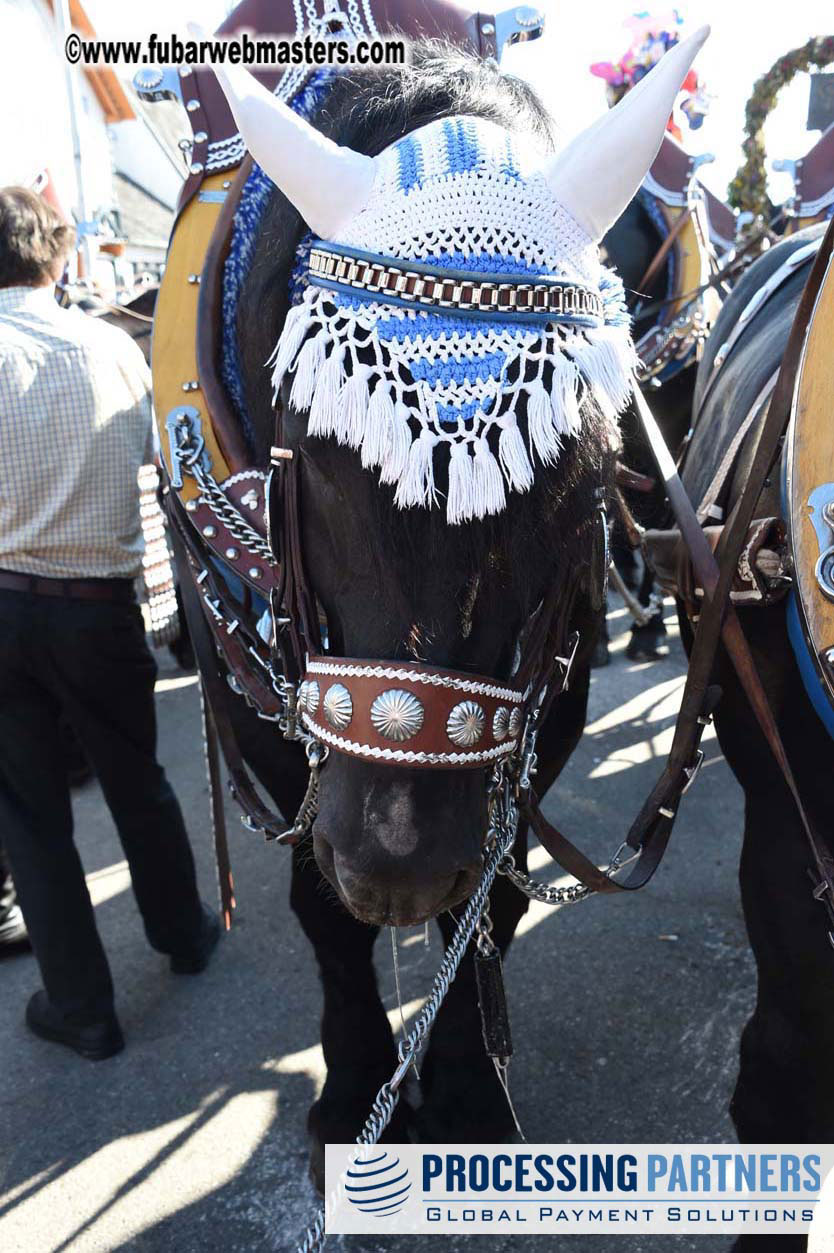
<point>626,1015</point>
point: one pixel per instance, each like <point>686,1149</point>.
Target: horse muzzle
<point>399,845</point>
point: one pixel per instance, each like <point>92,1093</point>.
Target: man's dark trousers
<point>88,661</point>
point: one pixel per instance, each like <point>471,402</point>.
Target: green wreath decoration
<point>748,190</point>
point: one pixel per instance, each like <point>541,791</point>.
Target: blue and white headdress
<point>455,273</point>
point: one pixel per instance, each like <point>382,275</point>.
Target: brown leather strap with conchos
<point>403,713</point>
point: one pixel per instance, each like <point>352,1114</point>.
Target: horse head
<point>450,459</point>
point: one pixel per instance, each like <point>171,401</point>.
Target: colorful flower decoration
<point>652,35</point>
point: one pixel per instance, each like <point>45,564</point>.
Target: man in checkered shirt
<point>75,426</point>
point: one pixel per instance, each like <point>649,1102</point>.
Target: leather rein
<point>717,622</point>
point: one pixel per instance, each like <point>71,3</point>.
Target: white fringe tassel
<point>513,455</point>
<point>564,396</point>
<point>378,428</point>
<point>416,486</point>
<point>307,367</point>
<point>396,453</point>
<point>354,402</point>
<point>541,425</point>
<point>291,339</point>
<point>488,481</point>
<point>607,360</point>
<point>460,501</point>
<point>375,421</point>
<point>324,411</point>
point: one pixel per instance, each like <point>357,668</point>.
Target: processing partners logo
<point>608,1189</point>
<point>378,1184</point>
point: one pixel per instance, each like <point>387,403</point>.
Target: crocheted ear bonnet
<point>453,275</point>
<point>406,386</point>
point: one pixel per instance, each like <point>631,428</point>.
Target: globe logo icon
<point>379,1184</point>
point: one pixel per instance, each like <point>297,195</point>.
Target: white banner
<point>612,1189</point>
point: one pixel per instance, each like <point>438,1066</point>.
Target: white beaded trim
<point>242,475</point>
<point>407,756</point>
<point>223,154</point>
<point>415,676</point>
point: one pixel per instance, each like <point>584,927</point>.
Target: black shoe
<point>13,933</point>
<point>193,961</point>
<point>95,1041</point>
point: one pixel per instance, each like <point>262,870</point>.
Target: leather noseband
<point>409,714</point>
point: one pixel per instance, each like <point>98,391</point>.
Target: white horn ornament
<point>597,174</point>
<point>327,183</point>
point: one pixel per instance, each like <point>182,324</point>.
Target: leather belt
<point>119,590</point>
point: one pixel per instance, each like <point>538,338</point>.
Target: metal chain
<point>542,892</point>
<point>369,18</point>
<point>571,892</point>
<point>484,928</point>
<point>309,807</point>
<point>500,839</point>
<point>231,518</point>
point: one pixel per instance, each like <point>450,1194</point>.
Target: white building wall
<point>33,103</point>
<point>140,156</point>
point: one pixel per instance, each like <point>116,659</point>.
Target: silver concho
<point>500,723</point>
<point>514,725</point>
<point>465,724</point>
<point>309,695</point>
<point>397,715</point>
<point>338,706</point>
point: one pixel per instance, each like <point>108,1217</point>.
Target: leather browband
<point>410,283</point>
<point>408,714</point>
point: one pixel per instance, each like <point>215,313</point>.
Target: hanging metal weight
<point>276,487</point>
<point>492,999</point>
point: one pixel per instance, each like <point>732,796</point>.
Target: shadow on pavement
<point>626,1015</point>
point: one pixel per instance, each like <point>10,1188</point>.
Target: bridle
<point>424,717</point>
<point>383,710</point>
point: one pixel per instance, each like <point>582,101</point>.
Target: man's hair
<point>32,238</point>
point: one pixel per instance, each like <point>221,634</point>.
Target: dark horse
<point>136,317</point>
<point>783,1093</point>
<point>400,845</point>
<point>630,246</point>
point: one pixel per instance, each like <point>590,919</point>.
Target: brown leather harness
<point>717,622</point>
<point>405,713</point>
<point>298,636</point>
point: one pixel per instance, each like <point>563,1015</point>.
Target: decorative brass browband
<point>456,291</point>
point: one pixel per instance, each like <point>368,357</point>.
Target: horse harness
<point>377,710</point>
<point>713,575</point>
<point>257,630</point>
<point>392,711</point>
<point>687,216</point>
